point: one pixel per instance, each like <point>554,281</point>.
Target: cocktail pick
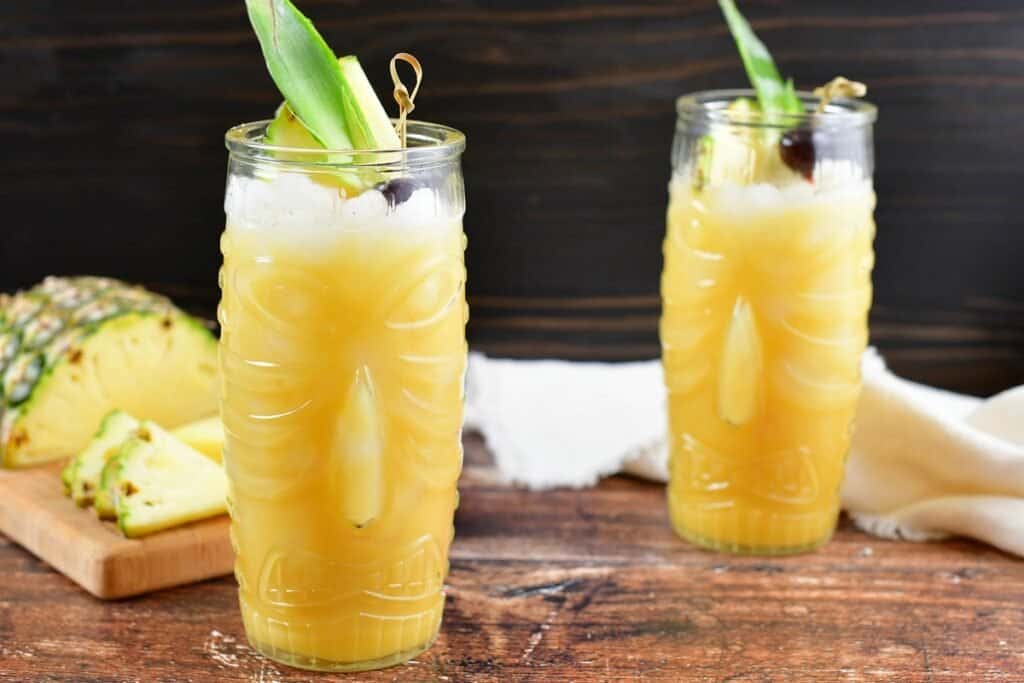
<point>404,99</point>
<point>838,87</point>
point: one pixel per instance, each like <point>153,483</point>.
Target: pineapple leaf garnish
<point>331,97</point>
<point>304,69</point>
<point>774,95</point>
<point>791,102</point>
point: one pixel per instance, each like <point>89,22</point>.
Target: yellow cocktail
<point>343,354</point>
<point>766,290</point>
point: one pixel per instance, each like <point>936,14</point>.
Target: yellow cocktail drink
<point>343,355</point>
<point>765,290</point>
<point>766,294</point>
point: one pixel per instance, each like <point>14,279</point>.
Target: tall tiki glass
<point>765,291</point>
<point>343,353</point>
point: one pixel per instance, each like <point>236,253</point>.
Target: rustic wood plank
<point>578,585</point>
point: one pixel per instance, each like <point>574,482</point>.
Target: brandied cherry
<point>796,147</point>
<point>397,190</point>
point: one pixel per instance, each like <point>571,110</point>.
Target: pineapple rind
<point>103,504</point>
<point>88,466</point>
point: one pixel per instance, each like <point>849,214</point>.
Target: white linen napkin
<point>924,463</point>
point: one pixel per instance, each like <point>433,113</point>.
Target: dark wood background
<point>111,116</point>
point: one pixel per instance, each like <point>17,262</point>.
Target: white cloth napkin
<point>924,463</point>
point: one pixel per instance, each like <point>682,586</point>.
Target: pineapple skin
<point>44,334</point>
<point>104,502</point>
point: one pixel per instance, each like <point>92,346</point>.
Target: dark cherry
<point>397,190</point>
<point>797,151</point>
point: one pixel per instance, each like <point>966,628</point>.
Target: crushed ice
<point>293,206</point>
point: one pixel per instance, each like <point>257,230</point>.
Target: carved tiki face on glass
<point>766,290</point>
<point>343,354</point>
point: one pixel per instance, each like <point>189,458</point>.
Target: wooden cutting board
<point>35,513</point>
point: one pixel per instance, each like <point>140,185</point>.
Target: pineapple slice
<point>158,482</point>
<point>73,349</point>
<point>206,436</point>
<point>103,502</point>
<point>87,467</point>
<point>739,376</point>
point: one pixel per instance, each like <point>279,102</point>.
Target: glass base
<point>316,664</point>
<point>751,530</point>
<point>727,546</point>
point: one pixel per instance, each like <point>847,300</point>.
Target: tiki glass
<point>343,352</point>
<point>765,290</point>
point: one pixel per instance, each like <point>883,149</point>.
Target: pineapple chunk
<point>206,436</point>
<point>739,376</point>
<point>158,482</point>
<point>87,467</point>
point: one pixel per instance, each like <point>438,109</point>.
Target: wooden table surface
<point>577,585</point>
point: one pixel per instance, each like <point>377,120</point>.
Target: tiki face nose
<point>358,452</point>
<point>740,372</point>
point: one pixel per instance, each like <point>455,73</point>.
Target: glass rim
<point>438,144</point>
<point>711,106</point>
